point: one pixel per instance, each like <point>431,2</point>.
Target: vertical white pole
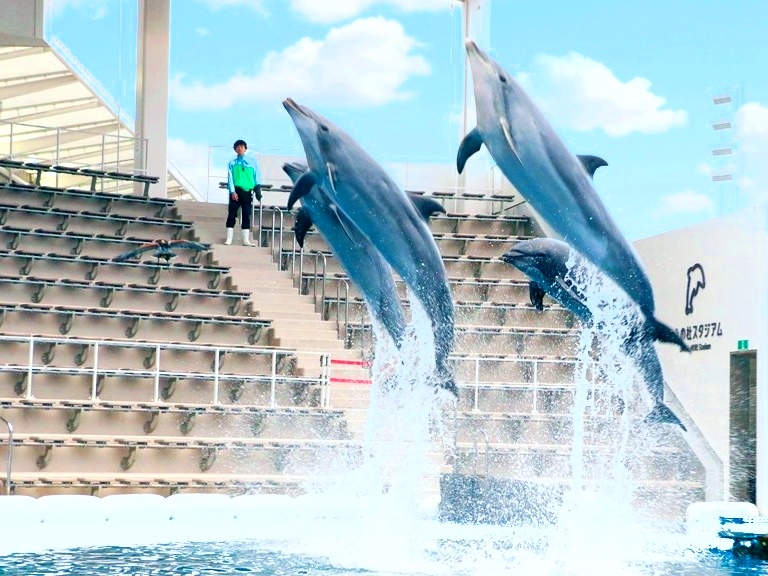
<point>152,65</point>
<point>476,20</point>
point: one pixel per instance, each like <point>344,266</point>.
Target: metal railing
<point>9,457</point>
<point>75,148</point>
<point>93,349</point>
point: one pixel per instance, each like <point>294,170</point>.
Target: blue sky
<point>631,82</point>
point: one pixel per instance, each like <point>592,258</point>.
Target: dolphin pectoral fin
<point>509,139</point>
<point>331,177</point>
<point>591,163</point>
<point>302,226</point>
<point>662,414</point>
<point>664,333</point>
<point>537,295</point>
<point>469,145</point>
<point>344,222</point>
<point>301,188</point>
<point>426,206</point>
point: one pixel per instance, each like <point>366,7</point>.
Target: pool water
<point>468,558</point>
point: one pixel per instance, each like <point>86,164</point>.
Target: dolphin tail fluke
<point>661,414</point>
<point>664,333</point>
<point>469,145</point>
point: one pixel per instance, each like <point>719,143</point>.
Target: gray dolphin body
<point>363,263</point>
<point>553,180</point>
<point>365,193</point>
<point>547,262</point>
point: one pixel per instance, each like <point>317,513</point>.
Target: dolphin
<point>546,262</point>
<point>554,181</point>
<point>363,263</point>
<point>549,264</point>
<point>360,188</point>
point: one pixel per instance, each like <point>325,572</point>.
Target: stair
<point>295,322</point>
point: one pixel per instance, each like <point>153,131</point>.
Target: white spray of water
<point>372,515</point>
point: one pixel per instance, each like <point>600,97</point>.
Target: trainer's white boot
<point>247,237</point>
<point>230,235</point>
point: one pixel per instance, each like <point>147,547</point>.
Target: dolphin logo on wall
<point>696,281</point>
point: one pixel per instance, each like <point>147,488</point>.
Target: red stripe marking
<point>364,363</point>
<point>350,380</point>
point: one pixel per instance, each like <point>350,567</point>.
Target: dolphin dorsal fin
<point>469,145</point>
<point>591,163</point>
<point>302,187</point>
<point>537,295</point>
<point>302,225</point>
<point>425,205</point>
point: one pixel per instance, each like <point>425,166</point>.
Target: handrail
<point>346,308</point>
<point>280,239</point>
<point>9,459</point>
<point>314,282</point>
<point>94,348</point>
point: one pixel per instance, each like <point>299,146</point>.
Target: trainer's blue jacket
<point>242,173</point>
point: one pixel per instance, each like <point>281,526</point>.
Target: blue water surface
<point>254,558</point>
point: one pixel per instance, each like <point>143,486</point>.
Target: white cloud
<point>686,202</point>
<point>200,31</point>
<point>192,161</point>
<point>582,94</point>
<point>751,124</point>
<point>256,6</point>
<point>330,11</point>
<point>363,63</point>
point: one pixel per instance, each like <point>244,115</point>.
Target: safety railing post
<point>273,381</point>
<point>156,397</point>
<point>95,376</point>
<point>9,457</point>
<point>216,368</point>
<point>30,365</point>
<point>476,403</point>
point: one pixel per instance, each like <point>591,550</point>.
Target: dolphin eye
<point>502,78</point>
<point>323,127</point>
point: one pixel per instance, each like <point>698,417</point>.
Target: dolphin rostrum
<point>554,268</point>
<point>360,188</point>
<point>554,181</point>
<point>365,266</point>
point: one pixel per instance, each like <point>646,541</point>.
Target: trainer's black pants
<point>243,203</point>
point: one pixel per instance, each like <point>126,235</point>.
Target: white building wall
<point>732,306</point>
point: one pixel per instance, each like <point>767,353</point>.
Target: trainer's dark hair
<point>238,142</point>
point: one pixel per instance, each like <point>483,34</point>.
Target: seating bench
<point>235,298</point>
<point>108,199</point>
<point>29,257</point>
<point>122,222</point>
<point>70,313</point>
<point>93,173</point>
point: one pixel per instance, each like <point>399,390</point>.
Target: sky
<point>632,82</point>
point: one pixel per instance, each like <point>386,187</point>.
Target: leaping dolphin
<point>553,268</point>
<point>365,193</point>
<point>553,180</point>
<point>365,266</point>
